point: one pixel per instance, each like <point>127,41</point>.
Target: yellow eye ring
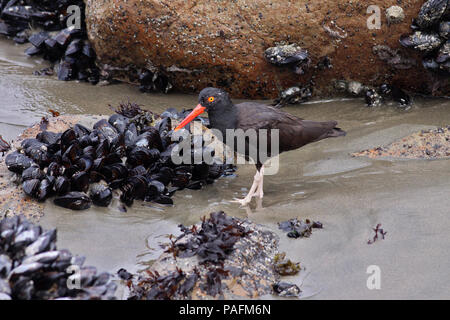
<point>211,99</point>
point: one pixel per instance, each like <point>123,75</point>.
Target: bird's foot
<point>248,198</point>
<point>243,202</point>
<point>260,189</point>
<point>256,190</point>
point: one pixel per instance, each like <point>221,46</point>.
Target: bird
<point>293,132</point>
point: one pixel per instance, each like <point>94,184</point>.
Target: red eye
<point>211,99</point>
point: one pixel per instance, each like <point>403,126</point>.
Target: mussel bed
<point>431,36</point>
<point>51,29</point>
<point>131,152</point>
<point>56,30</point>
<point>385,92</point>
<point>31,267</point>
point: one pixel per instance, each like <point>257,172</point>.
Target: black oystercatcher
<point>293,132</point>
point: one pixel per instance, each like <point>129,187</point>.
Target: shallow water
<point>320,181</point>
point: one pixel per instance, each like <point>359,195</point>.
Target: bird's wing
<point>258,116</point>
<point>294,132</point>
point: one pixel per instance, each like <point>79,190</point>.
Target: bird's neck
<point>223,118</point>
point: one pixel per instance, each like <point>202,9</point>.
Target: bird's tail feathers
<point>337,132</point>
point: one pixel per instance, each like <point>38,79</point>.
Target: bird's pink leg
<point>252,192</point>
<point>259,191</point>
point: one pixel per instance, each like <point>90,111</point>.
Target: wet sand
<point>322,181</point>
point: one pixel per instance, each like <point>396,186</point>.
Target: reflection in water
<point>251,211</point>
<point>320,181</point>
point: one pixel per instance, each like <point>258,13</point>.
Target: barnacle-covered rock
<point>424,144</point>
<point>395,14</point>
<point>222,44</point>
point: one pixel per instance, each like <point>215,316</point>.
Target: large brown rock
<point>221,43</point>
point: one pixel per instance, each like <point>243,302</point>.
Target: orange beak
<point>199,109</point>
